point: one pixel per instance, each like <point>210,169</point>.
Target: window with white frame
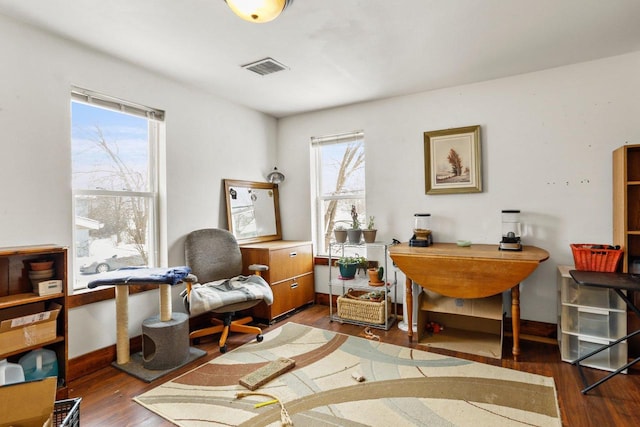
<point>338,179</point>
<point>114,149</point>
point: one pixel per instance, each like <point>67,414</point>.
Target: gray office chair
<point>214,255</point>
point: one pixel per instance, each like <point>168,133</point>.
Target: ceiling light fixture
<point>258,11</point>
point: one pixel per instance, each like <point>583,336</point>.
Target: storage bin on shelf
<point>352,307</point>
<point>595,257</point>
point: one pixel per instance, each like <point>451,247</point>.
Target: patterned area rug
<point>402,387</point>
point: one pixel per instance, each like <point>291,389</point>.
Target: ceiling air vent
<point>265,66</point>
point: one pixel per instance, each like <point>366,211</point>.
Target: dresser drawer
<point>287,295</point>
<point>290,262</point>
<point>291,294</point>
<point>286,259</point>
<point>593,322</point>
<point>575,346</point>
<point>591,296</point>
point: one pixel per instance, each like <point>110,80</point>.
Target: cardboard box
<point>28,404</point>
<point>47,287</point>
<point>473,326</point>
<point>486,308</point>
<point>29,329</point>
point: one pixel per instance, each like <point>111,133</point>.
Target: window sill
<point>324,260</point>
<point>321,260</point>
<point>82,297</point>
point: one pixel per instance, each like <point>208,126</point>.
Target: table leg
<point>409,299</point>
<point>515,320</point>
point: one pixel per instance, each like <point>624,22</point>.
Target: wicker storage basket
<point>594,257</point>
<point>351,307</point>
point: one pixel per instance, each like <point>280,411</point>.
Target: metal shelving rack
<point>361,282</point>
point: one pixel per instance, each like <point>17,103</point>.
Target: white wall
<point>36,76</point>
<point>547,139</point>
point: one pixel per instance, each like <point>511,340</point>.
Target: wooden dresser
<point>290,274</point>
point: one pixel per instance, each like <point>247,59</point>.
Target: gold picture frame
<point>453,161</point>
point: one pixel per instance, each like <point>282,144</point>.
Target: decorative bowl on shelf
<point>40,265</point>
<point>41,275</point>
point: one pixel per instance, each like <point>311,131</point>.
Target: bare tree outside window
<point>123,218</point>
<point>350,164</point>
<point>114,188</point>
<point>341,184</point>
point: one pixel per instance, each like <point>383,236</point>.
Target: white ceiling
<point>341,51</point>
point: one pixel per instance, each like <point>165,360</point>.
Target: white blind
<point>338,138</point>
<point>112,103</point>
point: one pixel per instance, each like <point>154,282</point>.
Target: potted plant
<point>349,265</point>
<point>370,232</point>
<point>375,276</point>
<point>354,233</point>
<point>340,233</point>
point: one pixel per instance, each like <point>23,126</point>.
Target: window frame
<point>319,200</point>
<point>155,123</point>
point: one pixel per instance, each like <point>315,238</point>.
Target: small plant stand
<point>360,284</point>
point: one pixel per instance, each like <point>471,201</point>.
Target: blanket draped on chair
<point>210,296</point>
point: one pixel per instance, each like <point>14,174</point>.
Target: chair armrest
<point>188,282</point>
<point>258,267</point>
<point>191,278</point>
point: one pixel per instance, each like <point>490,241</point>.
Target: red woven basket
<point>595,257</point>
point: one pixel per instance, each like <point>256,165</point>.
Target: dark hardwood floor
<point>107,394</point>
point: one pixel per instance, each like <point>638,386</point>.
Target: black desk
<point>619,282</point>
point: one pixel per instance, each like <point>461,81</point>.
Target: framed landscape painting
<point>452,161</point>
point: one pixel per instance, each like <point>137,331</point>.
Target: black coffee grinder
<point>421,230</point>
<point>511,231</point>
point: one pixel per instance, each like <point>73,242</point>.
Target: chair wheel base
<point>259,337</point>
<point>223,349</point>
